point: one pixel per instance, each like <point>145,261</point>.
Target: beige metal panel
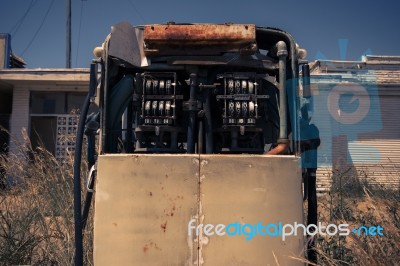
<point>143,205</point>
<point>249,189</point>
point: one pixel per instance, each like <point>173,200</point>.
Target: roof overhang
<point>47,79</point>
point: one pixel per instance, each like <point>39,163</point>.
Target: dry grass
<point>36,216</point>
<point>36,211</point>
<point>358,203</point>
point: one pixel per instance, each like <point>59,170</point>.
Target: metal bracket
<point>90,178</point>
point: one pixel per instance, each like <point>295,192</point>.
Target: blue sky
<point>319,26</point>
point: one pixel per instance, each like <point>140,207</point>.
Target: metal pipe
<point>280,50</point>
<point>263,35</point>
<point>200,139</point>
<point>192,114</point>
<point>305,69</point>
<point>103,98</point>
<point>282,53</point>
<point>282,148</point>
<point>208,125</point>
<point>129,145</point>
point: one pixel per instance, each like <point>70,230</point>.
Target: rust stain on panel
<point>208,33</point>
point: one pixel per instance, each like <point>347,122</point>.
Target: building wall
<point>19,117</point>
<point>356,107</point>
<point>5,50</point>
<point>21,83</point>
<point>370,153</point>
<point>53,121</point>
<point>54,129</point>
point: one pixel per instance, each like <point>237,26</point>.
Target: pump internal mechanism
<point>178,113</point>
<point>158,118</point>
<point>241,96</point>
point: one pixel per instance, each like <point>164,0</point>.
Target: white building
<point>42,101</point>
<point>356,108</point>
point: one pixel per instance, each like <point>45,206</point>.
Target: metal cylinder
<point>192,114</point>
<point>208,125</point>
<point>282,53</point>
<point>305,69</point>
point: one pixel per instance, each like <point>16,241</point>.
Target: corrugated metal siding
<point>19,117</point>
<point>370,148</point>
<point>324,179</point>
<point>388,76</point>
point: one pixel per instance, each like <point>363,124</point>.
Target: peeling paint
<point>191,240</point>
<point>203,163</point>
<point>196,161</point>
<point>203,240</point>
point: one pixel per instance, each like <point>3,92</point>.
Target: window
<point>74,102</point>
<point>56,102</point>
<point>47,103</point>
<point>54,119</point>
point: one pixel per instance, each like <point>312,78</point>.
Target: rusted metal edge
<point>199,34</point>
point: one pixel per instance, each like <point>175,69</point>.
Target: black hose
<point>92,124</point>
<point>77,183</point>
<point>91,159</point>
<point>117,102</point>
